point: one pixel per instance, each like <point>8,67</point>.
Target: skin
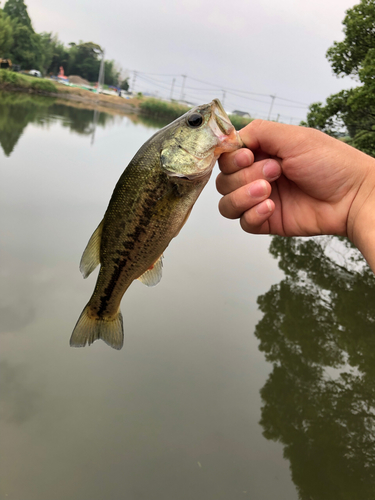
<point>296,181</point>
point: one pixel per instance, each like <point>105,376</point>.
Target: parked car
<point>35,72</point>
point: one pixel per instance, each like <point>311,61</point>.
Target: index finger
<point>232,162</point>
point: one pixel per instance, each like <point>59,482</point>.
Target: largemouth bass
<point>149,205</point>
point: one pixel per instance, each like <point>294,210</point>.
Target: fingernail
<point>258,188</point>
<point>242,158</point>
<point>271,169</point>
<point>264,208</point>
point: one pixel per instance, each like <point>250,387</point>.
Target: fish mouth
<point>221,118</point>
<point>228,137</point>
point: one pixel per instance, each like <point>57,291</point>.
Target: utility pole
<point>183,87</point>
<point>173,82</point>
<point>223,99</point>
<point>278,116</point>
<point>133,82</point>
<point>101,72</point>
<point>269,113</point>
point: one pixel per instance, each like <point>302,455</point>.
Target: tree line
<point>351,112</point>
<point>44,52</point>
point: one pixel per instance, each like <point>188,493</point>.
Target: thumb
<point>275,139</point>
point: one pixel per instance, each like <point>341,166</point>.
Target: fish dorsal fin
<point>153,275</point>
<point>91,256</point>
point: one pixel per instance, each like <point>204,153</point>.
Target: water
<point>211,397</point>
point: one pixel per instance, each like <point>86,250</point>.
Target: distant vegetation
<point>352,112</point>
<point>44,52</point>
<point>162,109</point>
<point>165,112</point>
<point>239,121</point>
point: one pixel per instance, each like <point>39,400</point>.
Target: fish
<point>150,204</point>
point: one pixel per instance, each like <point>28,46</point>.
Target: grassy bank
<point>169,111</point>
<point>162,109</point>
<point>17,82</point>
<point>239,121</point>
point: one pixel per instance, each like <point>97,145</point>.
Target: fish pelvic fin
<point>91,255</point>
<point>88,330</point>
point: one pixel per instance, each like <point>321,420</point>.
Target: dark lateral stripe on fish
<point>140,223</point>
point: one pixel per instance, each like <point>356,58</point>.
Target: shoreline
<point>93,100</point>
<point>47,88</point>
<point>158,110</point>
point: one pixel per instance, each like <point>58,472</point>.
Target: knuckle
<point>235,201</point>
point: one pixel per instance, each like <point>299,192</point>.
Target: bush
<point>43,86</point>
<point>10,80</point>
<point>162,109</point>
<point>239,121</point>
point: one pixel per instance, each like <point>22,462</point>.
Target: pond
<point>248,372</point>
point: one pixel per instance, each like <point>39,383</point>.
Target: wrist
<point>361,217</point>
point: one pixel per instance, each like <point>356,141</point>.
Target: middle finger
<point>268,169</point>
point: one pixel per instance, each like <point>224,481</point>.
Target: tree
<point>26,49</point>
<point>84,60</point>
<point>111,74</point>
<point>352,112</point>
<point>17,10</point>
<point>60,56</point>
<point>125,84</point>
<point>349,56</point>
<point>6,34</point>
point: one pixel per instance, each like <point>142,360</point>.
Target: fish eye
<point>195,120</point>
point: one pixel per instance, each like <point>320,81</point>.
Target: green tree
<point>111,74</point>
<point>84,60</point>
<point>60,56</point>
<point>26,49</point>
<point>17,10</point>
<point>125,84</point>
<point>6,34</point>
<point>349,56</point>
<point>46,44</point>
<point>352,112</point>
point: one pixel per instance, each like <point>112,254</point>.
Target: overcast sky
<point>269,47</point>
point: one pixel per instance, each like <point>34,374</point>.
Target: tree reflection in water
<point>18,110</point>
<point>318,330</point>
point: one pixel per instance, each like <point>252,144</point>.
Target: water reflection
<point>18,110</point>
<point>319,401</point>
<point>19,400</point>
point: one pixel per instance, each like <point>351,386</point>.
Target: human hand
<point>293,181</point>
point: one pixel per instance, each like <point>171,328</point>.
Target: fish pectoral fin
<point>91,255</point>
<point>153,275</point>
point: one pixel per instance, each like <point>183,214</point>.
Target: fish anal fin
<point>91,255</point>
<point>153,275</point>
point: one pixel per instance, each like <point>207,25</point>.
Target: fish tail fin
<point>89,329</point>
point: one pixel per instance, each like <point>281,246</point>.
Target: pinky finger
<point>255,220</point>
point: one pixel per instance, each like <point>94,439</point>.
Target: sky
<point>241,51</point>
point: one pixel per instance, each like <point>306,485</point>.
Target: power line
<point>193,93</point>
